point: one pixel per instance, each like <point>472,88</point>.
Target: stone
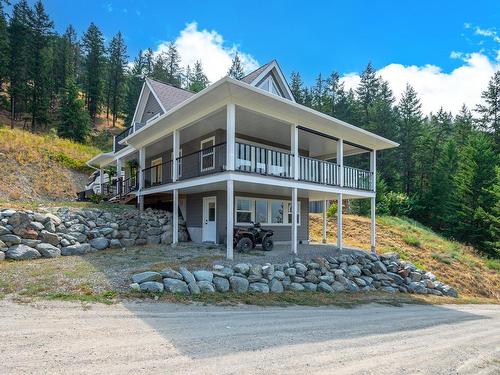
<point>55,219</point>
<point>77,249</point>
<point>429,284</point>
<point>135,286</point>
<point>327,278</point>
<point>172,274</point>
<point>206,286</point>
<point>353,271</point>
<point>140,242</point>
<point>300,269</point>
<point>256,270</point>
<point>296,287</point>
<point>146,276</point>
<point>4,230</point>
<point>290,271</point>
<point>379,267</point>
<point>267,270</point>
<point>3,245</point>
<point>415,276</point>
<point>106,231</point>
<point>258,288</point>
<point>175,286</point>
<point>99,243</point>
<point>49,237</point>
<point>115,244</point>
<point>389,289</point>
<point>397,279</point>
<point>30,243</point>
<point>359,281</point>
<point>202,275</point>
<point>238,284</point>
<point>36,226</point>
<point>280,275</point>
<point>310,287</point>
<point>194,288</point>
<point>430,276</point>
<point>153,240</point>
<point>338,287</point>
<point>417,287</point>
<point>151,286</point>
<point>242,268</point>
<point>221,284</point>
<point>449,291</point>
<point>187,275</point>
<point>22,252</point>
<point>19,220</point>
<point>8,213</point>
<point>48,251</point>
<point>77,228</point>
<point>276,286</point>
<point>324,287</point>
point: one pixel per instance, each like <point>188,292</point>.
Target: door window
<point>207,154</point>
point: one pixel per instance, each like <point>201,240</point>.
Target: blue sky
<point>436,38</point>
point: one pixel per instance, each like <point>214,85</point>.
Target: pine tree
<point>172,66</point>
<point>159,71</point>
<point>463,125</point>
<point>20,37</point>
<point>367,92</point>
<point>116,74</point>
<point>40,65</point>
<point>409,124</point>
<point>134,86</point>
<point>236,70</point>
<point>319,94</point>
<point>4,48</point>
<point>198,80</point>
<point>74,122</point>
<point>148,62</point>
<point>66,59</point>
<point>93,48</point>
<point>492,244</point>
<point>489,112</point>
<point>297,87</point>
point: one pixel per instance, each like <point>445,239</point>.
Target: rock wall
<point>30,235</point>
<point>346,273</point>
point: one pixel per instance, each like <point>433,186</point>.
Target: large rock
<point>417,287</point>
<point>206,286</point>
<point>379,267</point>
<point>353,271</point>
<point>77,249</point>
<point>242,268</point>
<point>4,230</point>
<point>338,287</point>
<point>295,287</point>
<point>310,287</point>
<point>221,284</point>
<point>276,286</point>
<point>203,275</point>
<point>193,287</point>
<point>152,286</point>
<point>171,274</point>
<point>258,288</point>
<point>187,275</point>
<point>49,237</point>
<point>55,219</point>
<point>19,220</point>
<point>324,287</point>
<point>175,286</point>
<point>48,251</point>
<point>10,239</point>
<point>238,284</point>
<point>146,276</point>
<point>2,255</point>
<point>301,269</point>
<point>36,226</point>
<point>7,213</point>
<point>22,252</point>
<point>99,243</point>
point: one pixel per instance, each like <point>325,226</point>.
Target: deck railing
<point>124,134</point>
<point>318,171</point>
<point>156,175</point>
<point>256,159</point>
<point>356,178</point>
<point>204,162</point>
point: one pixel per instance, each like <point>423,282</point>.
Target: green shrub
<point>394,204</point>
<point>332,210</point>
<point>412,240</point>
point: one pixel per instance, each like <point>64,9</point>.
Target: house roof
<point>250,77</point>
<point>169,95</point>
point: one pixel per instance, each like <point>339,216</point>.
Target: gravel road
<point>70,338</point>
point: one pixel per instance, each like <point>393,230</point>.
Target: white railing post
<point>294,221</point>
<point>175,217</point>
<point>340,160</point>
<point>230,135</point>
<point>294,150</point>
<point>175,161</point>
<point>339,221</point>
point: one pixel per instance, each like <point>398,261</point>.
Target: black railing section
<point>319,171</point>
<point>127,185</point>
<point>355,178</point>
<point>255,159</point>
<point>156,175</point>
<point>124,134</point>
<point>204,162</point>
<point>108,189</point>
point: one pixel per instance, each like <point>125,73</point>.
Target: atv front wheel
<point>244,245</point>
<point>267,244</point>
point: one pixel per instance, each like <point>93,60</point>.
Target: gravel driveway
<point>70,338</point>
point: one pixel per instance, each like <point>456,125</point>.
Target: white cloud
<point>437,88</point>
<point>209,47</point>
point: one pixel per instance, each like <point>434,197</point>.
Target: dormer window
<point>269,85</point>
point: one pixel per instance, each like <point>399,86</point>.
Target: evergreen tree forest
<point>445,173</point>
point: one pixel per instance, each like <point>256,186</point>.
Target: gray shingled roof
<point>169,96</point>
<point>249,78</point>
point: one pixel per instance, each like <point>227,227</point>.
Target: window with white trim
<point>270,85</point>
<point>264,211</point>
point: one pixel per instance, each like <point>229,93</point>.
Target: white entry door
<point>209,219</point>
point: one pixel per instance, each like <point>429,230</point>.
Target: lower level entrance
<point>209,219</point>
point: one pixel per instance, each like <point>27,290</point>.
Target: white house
<point>240,151</point>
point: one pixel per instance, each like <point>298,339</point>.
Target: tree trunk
<point>12,111</point>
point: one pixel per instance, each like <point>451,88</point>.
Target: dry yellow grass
<point>451,262</point>
<point>41,167</point>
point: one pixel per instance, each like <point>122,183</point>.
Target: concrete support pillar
<point>175,217</point>
<point>340,160</point>
<point>294,150</point>
<point>230,219</point>
<point>175,162</point>
<point>230,136</point>
<point>294,220</point>
<point>325,219</point>
<point>339,221</point>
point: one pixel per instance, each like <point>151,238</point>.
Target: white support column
<point>325,207</point>
<point>294,150</point>
<point>101,181</point>
<point>294,220</point>
<point>230,135</point>
<point>229,219</point>
<point>175,162</point>
<point>142,165</point>
<point>373,169</point>
<point>119,169</point>
<point>175,217</point>
<point>340,160</point>
<point>339,221</point>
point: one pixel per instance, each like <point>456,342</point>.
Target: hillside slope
<point>451,262</point>
<point>41,167</point>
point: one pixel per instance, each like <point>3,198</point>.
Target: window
<point>244,210</point>
<point>261,211</point>
<point>264,211</point>
<point>207,154</point>
<point>270,85</point>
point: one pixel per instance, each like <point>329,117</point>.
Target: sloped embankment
<point>37,167</point>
